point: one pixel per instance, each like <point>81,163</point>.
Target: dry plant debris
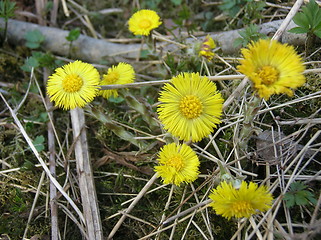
<point>85,165</point>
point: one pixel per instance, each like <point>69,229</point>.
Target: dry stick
<point>287,20</point>
<point>85,175</point>
<point>34,204</point>
<point>170,226</point>
<point>53,12</point>
<point>187,211</point>
<point>41,161</point>
<point>316,210</point>
<point>52,168</point>
<point>166,208</point>
<point>299,156</point>
<point>132,205</point>
<point>160,82</point>
<point>179,210</point>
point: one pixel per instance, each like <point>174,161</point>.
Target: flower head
<point>177,164</point>
<point>273,67</point>
<point>207,48</point>
<point>190,106</point>
<point>121,74</point>
<point>143,21</point>
<point>73,85</point>
<point>243,202</point>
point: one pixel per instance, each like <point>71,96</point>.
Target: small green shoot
<point>30,62</point>
<point>40,59</point>
<point>232,7</point>
<point>249,34</point>
<point>73,35</point>
<point>252,10</point>
<point>298,195</point>
<point>309,20</point>
<point>7,9</point>
<point>34,39</point>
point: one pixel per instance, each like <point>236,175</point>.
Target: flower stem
<point>247,130</point>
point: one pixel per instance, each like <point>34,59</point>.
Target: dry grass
<point>132,200</point>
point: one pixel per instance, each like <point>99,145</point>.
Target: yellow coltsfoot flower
<point>245,201</point>
<point>190,106</point>
<point>123,73</point>
<point>73,85</point>
<point>273,67</point>
<point>207,48</point>
<point>177,164</point>
<point>143,22</point>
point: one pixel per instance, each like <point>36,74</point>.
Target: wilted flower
<point>207,47</point>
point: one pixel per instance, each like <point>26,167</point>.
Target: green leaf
<point>298,195</point>
<point>7,9</point>
<point>309,19</point>
<point>39,143</point>
<point>27,166</point>
<point>289,200</point>
<point>29,64</point>
<point>298,30</point>
<point>301,20</point>
<point>238,42</point>
<point>176,2</point>
<point>73,35</point>
<point>144,53</point>
<point>34,39</point>
<point>116,99</point>
<point>300,199</point>
<point>318,33</point>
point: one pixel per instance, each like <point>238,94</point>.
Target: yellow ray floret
<point>243,202</point>
<point>73,85</point>
<point>273,68</point>
<point>143,22</point>
<point>177,164</point>
<point>190,106</point>
<point>123,73</point>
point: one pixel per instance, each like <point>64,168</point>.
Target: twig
<point>34,204</point>
<point>187,211</point>
<point>41,161</point>
<point>287,20</point>
<point>52,167</point>
<point>85,175</point>
<point>160,82</point>
<point>132,205</point>
<point>301,121</point>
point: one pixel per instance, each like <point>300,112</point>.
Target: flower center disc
<point>242,206</point>
<point>111,77</point>
<point>191,106</point>
<point>145,23</point>
<point>268,75</point>
<point>72,83</point>
<point>176,162</point>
